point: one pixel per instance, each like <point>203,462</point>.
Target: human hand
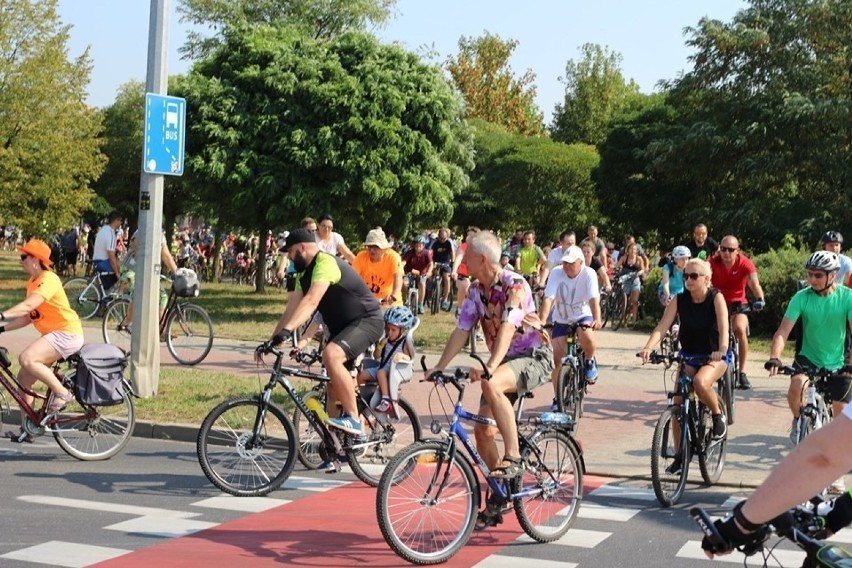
<point>758,305</point>
<point>644,354</point>
<point>717,355</point>
<point>773,366</point>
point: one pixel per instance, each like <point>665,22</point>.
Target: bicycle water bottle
<point>315,406</point>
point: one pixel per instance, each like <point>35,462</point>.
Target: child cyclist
<point>398,321</point>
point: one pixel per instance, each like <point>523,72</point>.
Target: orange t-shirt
<point>55,314</point>
<point>379,275</point>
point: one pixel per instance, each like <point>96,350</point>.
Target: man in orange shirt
<point>381,268</point>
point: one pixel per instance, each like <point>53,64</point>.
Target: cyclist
<point>460,268</point>
<point>566,239</point>
<point>46,307</point>
<point>521,357</point>
<point>732,272</point>
<point>351,316</point>
<point>592,262</point>
<point>443,255</point>
<point>574,295</point>
<point>381,268</point>
<point>104,257</point>
<point>671,283</point>
<point>825,308</point>
<point>127,278</point>
<point>417,262</point>
<point>398,347</point>
<point>833,241</point>
<point>531,261</point>
<point>592,237</point>
<point>332,242</point>
<point>704,341</point>
<point>700,245</point>
<point>631,262</point>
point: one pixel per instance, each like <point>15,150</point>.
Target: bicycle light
<point>435,427</point>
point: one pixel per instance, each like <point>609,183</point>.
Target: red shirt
<point>732,281</point>
<point>419,262</point>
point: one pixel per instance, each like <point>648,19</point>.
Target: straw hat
<point>376,237</point>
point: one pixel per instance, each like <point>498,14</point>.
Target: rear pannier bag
<point>100,374</point>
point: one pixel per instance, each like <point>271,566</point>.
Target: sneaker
<point>591,371</point>
<point>553,406</point>
<point>794,431</point>
<point>837,488</point>
<point>346,423</point>
<point>675,466</point>
<point>720,426</point>
<point>445,305</point>
<point>743,383</point>
<point>384,405</point>
<point>419,308</point>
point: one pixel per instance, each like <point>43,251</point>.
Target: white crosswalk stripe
<point>782,557</point>
<point>66,554</point>
<point>580,538</point>
<point>246,504</point>
<point>497,561</point>
<point>624,492</point>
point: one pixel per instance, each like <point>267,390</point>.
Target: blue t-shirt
<point>676,285</point>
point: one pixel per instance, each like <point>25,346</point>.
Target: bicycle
<point>693,438</point>
<point>429,495</point>
<point>84,432</point>
<point>816,412</point>
<point>186,328</point>
<point>669,344</point>
<point>412,299</point>
<point>87,295</point>
<point>247,446</point>
<point>732,374</point>
<point>571,386</point>
<point>616,304</point>
<point>798,525</point>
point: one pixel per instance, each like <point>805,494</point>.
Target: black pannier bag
<point>100,374</point>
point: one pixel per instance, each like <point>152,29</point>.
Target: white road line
<point>245,504</point>
<point>844,537</point>
<point>575,537</point>
<point>107,506</point>
<point>623,492</point>
<point>67,554</point>
<point>692,549</point>
<point>497,561</point>
<point>313,483</point>
<point>160,526</point>
<point>730,502</point>
<point>604,513</point>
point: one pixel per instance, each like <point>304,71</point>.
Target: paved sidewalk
<point>620,412</point>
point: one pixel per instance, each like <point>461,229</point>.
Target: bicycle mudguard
<point>831,555</point>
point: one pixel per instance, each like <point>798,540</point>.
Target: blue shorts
<point>699,360</point>
<point>630,286</point>
<point>565,329</point>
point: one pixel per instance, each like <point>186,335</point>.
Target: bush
<point>650,300</point>
<point>779,270</point>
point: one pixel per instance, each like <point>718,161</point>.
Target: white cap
<point>572,254</point>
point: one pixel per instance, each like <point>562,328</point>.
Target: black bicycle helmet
<point>832,237</point>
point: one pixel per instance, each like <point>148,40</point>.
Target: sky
<point>648,34</point>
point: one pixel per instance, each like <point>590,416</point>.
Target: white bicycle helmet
<point>823,260</point>
<point>681,252</point>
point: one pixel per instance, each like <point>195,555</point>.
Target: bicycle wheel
<point>668,485</point>
<point>567,393</point>
<point>237,463</point>
<point>555,477</point>
<point>189,334</point>
<point>91,433</point>
<point>115,327</point>
<point>310,441</point>
<point>426,504</point>
<point>726,391</point>
<point>386,436</point>
<point>619,310</point>
<point>84,299</point>
<point>711,461</point>
<point>437,290</point>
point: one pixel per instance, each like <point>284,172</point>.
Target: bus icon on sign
<point>171,115</point>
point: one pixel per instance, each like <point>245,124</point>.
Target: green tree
<point>595,93</point>
<point>319,19</point>
<point>287,126</point>
<point>482,73</point>
<point>49,146</point>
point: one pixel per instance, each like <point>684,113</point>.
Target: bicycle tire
<point>668,487</point>
<point>711,458</point>
<point>420,530</point>
<point>567,395</point>
<point>726,390</point>
<point>606,308</point>
<point>387,436</point>
<point>84,300</point>
<point>189,334</point>
<point>437,291</point>
<point>94,433</point>
<point>310,442</point>
<point>619,311</point>
<point>116,314</point>
<point>227,459</point>
<point>557,470</point>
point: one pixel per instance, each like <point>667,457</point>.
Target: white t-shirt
<point>332,245</point>
<point>845,268</point>
<point>555,257</point>
<point>104,241</point>
<point>571,296</point>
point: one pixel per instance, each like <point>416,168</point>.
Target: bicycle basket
<point>185,283</point>
<point>100,374</point>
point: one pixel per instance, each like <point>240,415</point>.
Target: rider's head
<point>529,238</point>
<point>681,254</point>
<point>401,318</point>
<point>573,261</point>
<point>832,241</point>
<point>301,247</point>
<point>483,255</point>
<point>729,249</point>
<point>699,234</point>
<point>418,243</point>
<point>822,267</point>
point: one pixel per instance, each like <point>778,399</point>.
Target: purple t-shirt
<point>492,306</point>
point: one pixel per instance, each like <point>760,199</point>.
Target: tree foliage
<point>49,146</point>
<point>595,93</point>
<point>319,19</point>
<point>482,73</point>
<point>287,126</point>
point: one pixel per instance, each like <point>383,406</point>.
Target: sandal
<point>18,437</point>
<point>58,402</point>
<point>510,471</point>
<point>486,519</point>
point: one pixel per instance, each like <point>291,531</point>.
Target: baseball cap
<point>572,254</point>
<point>298,236</point>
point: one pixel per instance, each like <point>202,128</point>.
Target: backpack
<point>100,375</point>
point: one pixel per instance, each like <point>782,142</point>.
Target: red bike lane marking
<point>333,528</point>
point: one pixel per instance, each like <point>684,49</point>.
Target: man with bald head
<point>732,272</point>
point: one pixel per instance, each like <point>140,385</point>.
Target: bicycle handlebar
<point>458,375</point>
<point>815,373</point>
<point>657,358</point>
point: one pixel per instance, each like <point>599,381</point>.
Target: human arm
<point>603,279</point>
<point>544,308</point>
<point>18,316</point>
<point>754,285</point>
<point>344,252</point>
<point>669,315</point>
<point>776,348</point>
<point>595,306</point>
<point>167,259</point>
<point>113,262</point>
<point>664,280</point>
<point>722,324</point>
<point>458,339</point>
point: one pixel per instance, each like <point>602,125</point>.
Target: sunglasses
<point>692,275</point>
<point>728,249</point>
<point>24,256</point>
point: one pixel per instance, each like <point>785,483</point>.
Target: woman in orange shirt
<point>46,307</point>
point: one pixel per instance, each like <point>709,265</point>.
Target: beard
<point>299,262</point>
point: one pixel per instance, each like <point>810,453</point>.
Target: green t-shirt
<point>824,324</point>
<point>530,258</point>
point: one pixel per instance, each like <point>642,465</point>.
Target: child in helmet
<point>398,321</point>
<point>671,282</point>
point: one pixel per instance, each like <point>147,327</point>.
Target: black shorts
<point>355,338</point>
<point>838,389</point>
<point>71,257</point>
